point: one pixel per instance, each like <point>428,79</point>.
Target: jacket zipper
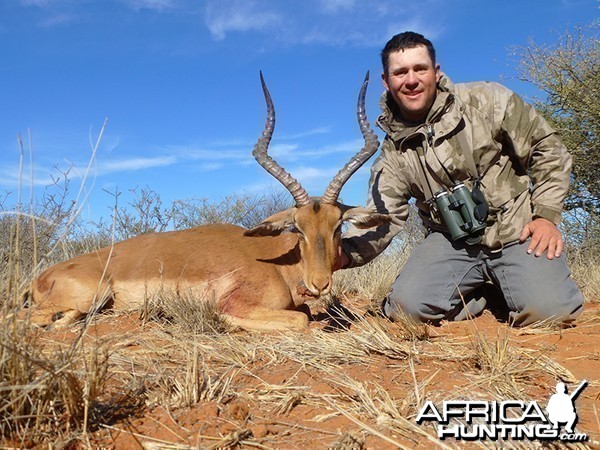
<point>430,135</point>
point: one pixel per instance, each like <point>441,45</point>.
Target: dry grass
<point>60,392</point>
<point>585,268</point>
<point>47,394</point>
<point>356,370</point>
<point>195,315</point>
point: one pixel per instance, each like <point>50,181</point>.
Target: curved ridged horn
<point>371,145</point>
<point>270,165</point>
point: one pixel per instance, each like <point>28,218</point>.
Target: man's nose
<point>411,79</point>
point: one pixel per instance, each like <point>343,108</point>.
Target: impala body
<point>259,278</point>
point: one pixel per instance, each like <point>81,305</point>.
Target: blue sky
<point>178,81</point>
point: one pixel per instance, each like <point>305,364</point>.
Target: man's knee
<point>403,301</point>
<point>538,289</point>
<point>567,311</point>
<point>559,310</point>
<point>397,307</point>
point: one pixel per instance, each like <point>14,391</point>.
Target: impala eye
<point>295,229</point>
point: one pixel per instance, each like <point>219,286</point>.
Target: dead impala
<point>260,278</point>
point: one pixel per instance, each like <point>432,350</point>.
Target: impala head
<point>317,221</point>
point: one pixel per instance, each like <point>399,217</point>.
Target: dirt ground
<point>299,391</point>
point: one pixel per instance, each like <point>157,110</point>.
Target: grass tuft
<point>186,311</point>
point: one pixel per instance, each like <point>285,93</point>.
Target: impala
<point>259,278</point>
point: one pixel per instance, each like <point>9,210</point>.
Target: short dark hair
<point>408,39</point>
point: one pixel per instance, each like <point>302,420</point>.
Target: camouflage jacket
<point>523,164</point>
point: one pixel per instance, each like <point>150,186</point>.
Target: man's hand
<point>544,237</point>
<point>342,260</point>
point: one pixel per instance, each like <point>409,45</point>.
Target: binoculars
<point>464,212</point>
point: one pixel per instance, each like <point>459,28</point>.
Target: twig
<point>366,427</point>
<point>143,436</point>
<point>301,427</point>
<point>414,377</point>
<point>165,427</point>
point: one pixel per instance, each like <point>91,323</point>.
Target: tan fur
<point>254,279</point>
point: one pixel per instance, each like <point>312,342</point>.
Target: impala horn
<point>371,145</point>
<point>270,165</point>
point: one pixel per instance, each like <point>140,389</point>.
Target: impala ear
<point>365,218</point>
<point>274,225</point>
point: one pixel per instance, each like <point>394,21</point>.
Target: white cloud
<point>426,29</point>
<point>9,178</point>
<point>227,16</point>
<point>136,5</point>
<point>334,6</point>
<point>266,186</point>
<point>307,173</point>
<point>312,179</point>
<point>54,12</point>
<point>209,167</point>
<point>283,153</point>
<point>295,152</point>
<point>368,23</point>
<point>38,3</point>
<point>321,22</point>
<point>199,153</point>
<point>157,5</point>
<point>286,151</point>
<point>55,20</point>
<point>307,133</point>
<point>133,164</point>
<point>205,158</point>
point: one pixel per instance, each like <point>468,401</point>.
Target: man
<point>561,409</point>
<point>483,135</point>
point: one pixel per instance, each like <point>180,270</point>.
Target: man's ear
<point>365,218</point>
<point>274,225</point>
<point>385,81</point>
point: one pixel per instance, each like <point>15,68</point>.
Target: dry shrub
<point>186,311</point>
<point>585,268</point>
<point>47,393</point>
<point>505,368</point>
<point>350,441</point>
<point>492,357</point>
<point>581,232</point>
<point>410,330</point>
<point>239,209</point>
<point>146,213</point>
<point>374,280</point>
<point>197,383</point>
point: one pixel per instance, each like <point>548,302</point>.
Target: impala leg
<point>59,302</point>
<point>68,317</point>
<point>38,318</point>
<point>43,318</point>
<point>265,319</point>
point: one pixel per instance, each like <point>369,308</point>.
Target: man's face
<point>412,82</point>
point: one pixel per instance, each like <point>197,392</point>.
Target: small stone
<point>260,431</point>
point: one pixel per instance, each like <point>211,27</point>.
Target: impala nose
<point>320,286</point>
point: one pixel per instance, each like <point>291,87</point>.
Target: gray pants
<point>443,280</point>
